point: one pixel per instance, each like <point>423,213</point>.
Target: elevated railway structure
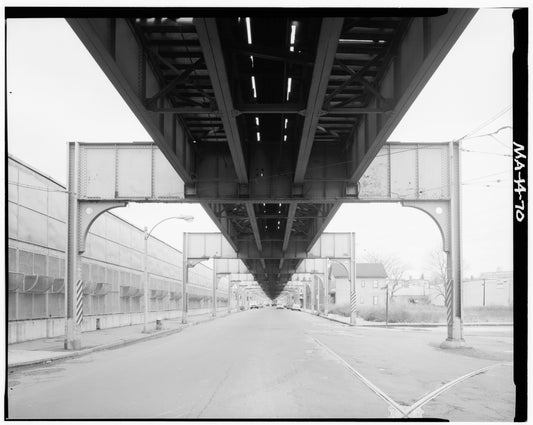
<point>272,121</point>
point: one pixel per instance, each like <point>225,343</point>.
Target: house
<point>370,284</point>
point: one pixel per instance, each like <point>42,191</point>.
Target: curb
<point>333,319</point>
<point>74,354</point>
<point>412,325</point>
<point>326,317</point>
<point>433,325</point>
<point>121,343</point>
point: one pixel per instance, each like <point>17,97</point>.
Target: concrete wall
<point>25,330</point>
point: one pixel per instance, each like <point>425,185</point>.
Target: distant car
<point>280,307</point>
<point>296,306</point>
<point>253,304</point>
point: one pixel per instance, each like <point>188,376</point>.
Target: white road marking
<point>427,398</point>
<point>413,410</point>
<point>369,384</point>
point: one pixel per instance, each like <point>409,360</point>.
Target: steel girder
<point>188,81</point>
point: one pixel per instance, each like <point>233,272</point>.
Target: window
<point>375,300</point>
<point>25,262</point>
<point>375,284</point>
<point>362,284</point>
<point>12,260</point>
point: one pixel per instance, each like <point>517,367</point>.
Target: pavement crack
<point>217,388</point>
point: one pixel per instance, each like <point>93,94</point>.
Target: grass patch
<point>490,313</point>
<point>413,313</point>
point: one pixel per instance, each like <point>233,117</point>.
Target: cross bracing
<point>271,121</point>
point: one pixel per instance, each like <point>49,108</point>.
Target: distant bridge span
<point>271,122</point>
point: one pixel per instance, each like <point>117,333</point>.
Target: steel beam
<point>427,42</point>
<point>273,54</point>
<point>270,108</point>
<point>353,76</point>
<point>175,82</point>
<point>327,46</point>
<point>354,111</point>
<point>288,227</point>
<point>255,227</point>
<point>184,110</point>
<point>116,49</point>
<point>214,58</point>
<point>222,227</point>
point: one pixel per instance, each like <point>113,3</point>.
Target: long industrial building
<point>112,266</point>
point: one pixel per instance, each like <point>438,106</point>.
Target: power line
<point>486,123</point>
<point>505,127</point>
<point>486,153</point>
<point>492,136</point>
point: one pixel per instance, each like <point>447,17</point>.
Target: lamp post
<point>145,263</point>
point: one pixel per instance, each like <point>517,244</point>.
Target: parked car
<point>280,307</point>
<point>253,304</point>
<point>296,306</point>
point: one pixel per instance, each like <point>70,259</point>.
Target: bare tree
<point>438,264</point>
<point>394,267</point>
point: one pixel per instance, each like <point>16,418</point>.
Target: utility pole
<point>483,292</point>
<point>387,306</point>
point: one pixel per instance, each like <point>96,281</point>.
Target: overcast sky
<point>57,93</point>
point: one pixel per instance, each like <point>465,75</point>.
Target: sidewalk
<point>46,350</point>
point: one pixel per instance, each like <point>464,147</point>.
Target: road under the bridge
<point>271,363</point>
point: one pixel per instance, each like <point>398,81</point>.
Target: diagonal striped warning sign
<point>79,302</point>
<point>449,300</point>
<point>353,301</point>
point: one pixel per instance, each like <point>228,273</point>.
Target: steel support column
<point>145,280</point>
<point>454,305</point>
<point>353,275</point>
<point>326,284</point>
<point>215,282</point>
<point>313,294</point>
<point>73,282</point>
<point>230,288</point>
<point>185,278</point>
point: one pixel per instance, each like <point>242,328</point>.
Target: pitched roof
<point>363,270</point>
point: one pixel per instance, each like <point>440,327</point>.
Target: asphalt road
<point>271,363</point>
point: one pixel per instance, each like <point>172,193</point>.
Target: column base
<point>72,335</point>
<point>72,344</point>
<point>454,343</point>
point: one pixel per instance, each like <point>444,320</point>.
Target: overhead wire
<point>486,123</point>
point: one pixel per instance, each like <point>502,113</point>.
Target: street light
<point>146,236</point>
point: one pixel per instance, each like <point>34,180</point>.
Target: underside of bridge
<point>270,121</point>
